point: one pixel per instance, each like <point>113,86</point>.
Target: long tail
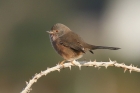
<point>104,47</point>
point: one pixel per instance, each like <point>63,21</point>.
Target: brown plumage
<point>69,45</point>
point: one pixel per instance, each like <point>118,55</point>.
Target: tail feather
<point>104,47</point>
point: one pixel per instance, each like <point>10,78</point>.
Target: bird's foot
<point>72,63</point>
<point>61,63</point>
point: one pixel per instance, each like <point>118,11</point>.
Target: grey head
<point>58,30</point>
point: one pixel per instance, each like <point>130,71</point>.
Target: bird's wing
<point>73,41</point>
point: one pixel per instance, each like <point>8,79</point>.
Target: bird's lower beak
<point>50,32</point>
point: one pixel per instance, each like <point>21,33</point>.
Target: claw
<point>62,63</point>
<point>72,63</point>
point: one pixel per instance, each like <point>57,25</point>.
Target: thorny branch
<point>58,67</point>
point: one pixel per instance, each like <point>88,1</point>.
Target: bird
<point>70,45</point>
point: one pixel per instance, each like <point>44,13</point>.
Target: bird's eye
<point>56,31</point>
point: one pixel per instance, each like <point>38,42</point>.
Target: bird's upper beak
<point>50,32</point>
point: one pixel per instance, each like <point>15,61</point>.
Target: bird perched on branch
<point>70,45</point>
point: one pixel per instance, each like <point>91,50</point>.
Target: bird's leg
<point>73,63</point>
<point>62,62</point>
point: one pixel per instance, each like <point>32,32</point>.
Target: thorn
<point>130,70</point>
<point>122,63</point>
<point>26,82</point>
<point>47,68</point>
<point>79,67</point>
<point>57,64</point>
<point>94,60</point>
<point>110,60</point>
<point>106,66</point>
<point>41,71</point>
<point>35,80</point>
<point>96,66</point>
<point>35,74</point>
<point>58,70</point>
<point>99,68</point>
<point>115,61</point>
<point>125,70</point>
<point>70,67</point>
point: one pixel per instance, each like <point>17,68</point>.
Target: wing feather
<point>73,41</point>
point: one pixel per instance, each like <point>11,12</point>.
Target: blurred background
<point>25,48</point>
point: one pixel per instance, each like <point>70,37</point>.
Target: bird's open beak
<point>50,32</point>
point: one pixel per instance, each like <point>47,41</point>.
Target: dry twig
<point>58,67</point>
